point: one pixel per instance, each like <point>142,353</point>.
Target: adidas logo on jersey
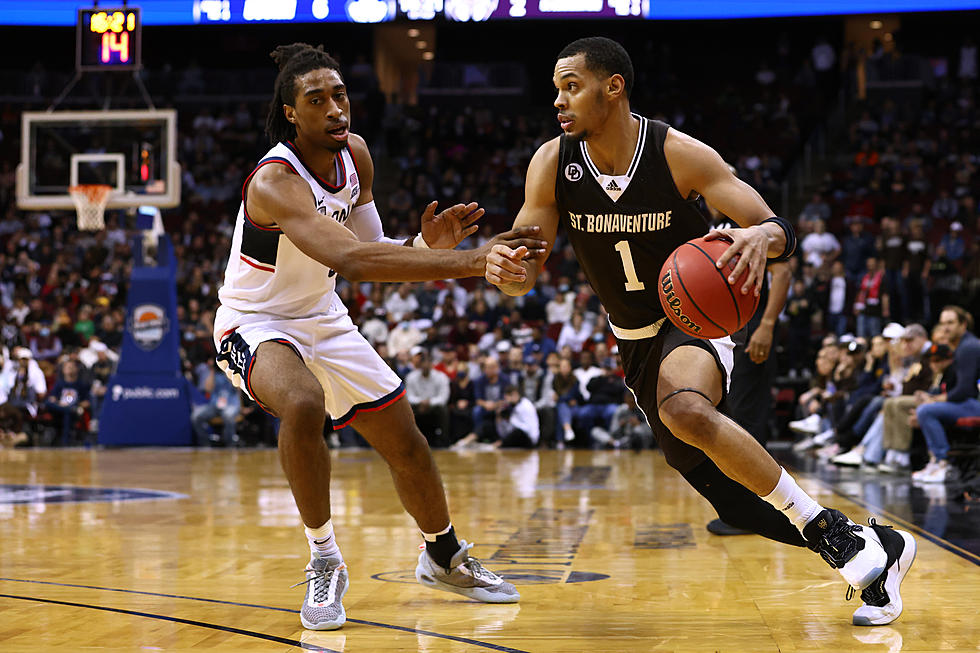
<point>612,185</point>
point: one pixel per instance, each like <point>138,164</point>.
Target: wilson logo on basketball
<point>148,325</point>
<point>673,303</point>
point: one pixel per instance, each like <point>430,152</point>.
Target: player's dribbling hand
<point>752,247</point>
<point>449,228</point>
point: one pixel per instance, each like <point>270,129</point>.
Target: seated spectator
<point>547,398</point>
<point>869,426</point>
<point>559,309</point>
<point>586,371</point>
<point>461,401</point>
<point>18,401</point>
<point>45,344</point>
<point>628,428</point>
<point>427,391</point>
<point>224,401</point>
<point>565,386</point>
<point>813,404</point>
<point>35,374</point>
<point>404,336</point>
<point>375,327</point>
<point>925,379</point>
<point>954,243</point>
<point>820,248</point>
<point>488,391</point>
<point>517,421</point>
<point>574,333</point>
<point>958,401</point>
<point>401,303</point>
<point>605,396</point>
<point>68,400</point>
<point>103,367</point>
<point>944,207</point>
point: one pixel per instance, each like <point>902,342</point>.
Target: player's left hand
<point>751,244</point>
<point>759,345</point>
<point>448,228</point>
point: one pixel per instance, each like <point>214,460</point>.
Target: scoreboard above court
<point>217,12</point>
<point>108,39</point>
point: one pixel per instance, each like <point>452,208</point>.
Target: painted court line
<point>375,624</point>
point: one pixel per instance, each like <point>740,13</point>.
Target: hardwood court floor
<point>608,550</point>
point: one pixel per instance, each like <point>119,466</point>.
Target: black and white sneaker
<point>853,550</point>
<point>881,600</point>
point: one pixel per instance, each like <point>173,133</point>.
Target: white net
<point>90,202</point>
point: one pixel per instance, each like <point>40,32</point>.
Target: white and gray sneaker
<point>465,576</point>
<point>326,584</point>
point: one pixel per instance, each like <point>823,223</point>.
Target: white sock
<point>902,458</point>
<point>790,499</point>
<point>322,541</point>
<point>432,537</point>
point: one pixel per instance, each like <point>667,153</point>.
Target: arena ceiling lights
<point>217,12</point>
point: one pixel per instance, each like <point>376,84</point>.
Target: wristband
<point>420,242</point>
<point>790,234</point>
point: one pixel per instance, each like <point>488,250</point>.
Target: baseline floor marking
<point>376,624</point>
<point>162,617</point>
<point>918,530</point>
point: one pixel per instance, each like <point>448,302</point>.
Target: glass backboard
<point>134,151</point>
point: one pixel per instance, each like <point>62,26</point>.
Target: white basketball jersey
<point>266,272</point>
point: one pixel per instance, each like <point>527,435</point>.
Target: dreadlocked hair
<point>293,60</point>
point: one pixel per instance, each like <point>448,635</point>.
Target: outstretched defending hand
<point>751,244</point>
<point>450,227</point>
<point>505,253</point>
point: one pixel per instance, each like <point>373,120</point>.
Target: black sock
<point>443,548</point>
<point>740,507</point>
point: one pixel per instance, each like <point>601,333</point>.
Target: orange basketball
<point>696,295</point>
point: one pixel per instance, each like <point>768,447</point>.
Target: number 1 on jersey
<point>632,283</point>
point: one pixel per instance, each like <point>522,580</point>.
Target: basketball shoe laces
<point>477,570</point>
<point>875,593</point>
<point>838,544</point>
<point>321,582</point>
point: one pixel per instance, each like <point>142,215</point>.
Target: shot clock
<point>108,39</point>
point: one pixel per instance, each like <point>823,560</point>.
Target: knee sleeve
<point>738,506</point>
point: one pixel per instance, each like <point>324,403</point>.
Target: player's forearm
<point>382,262</point>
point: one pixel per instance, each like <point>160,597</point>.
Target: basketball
<point>696,295</point>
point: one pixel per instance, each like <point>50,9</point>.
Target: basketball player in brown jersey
<point>624,187</point>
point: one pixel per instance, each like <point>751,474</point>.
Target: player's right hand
<point>507,251</point>
<point>504,265</point>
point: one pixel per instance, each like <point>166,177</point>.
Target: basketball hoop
<point>90,202</point>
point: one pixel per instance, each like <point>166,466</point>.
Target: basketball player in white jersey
<point>285,338</point>
<point>624,188</point>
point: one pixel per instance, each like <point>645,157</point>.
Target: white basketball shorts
<point>353,376</point>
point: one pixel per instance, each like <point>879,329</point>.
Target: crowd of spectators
<point>867,396</point>
<point>887,237</point>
